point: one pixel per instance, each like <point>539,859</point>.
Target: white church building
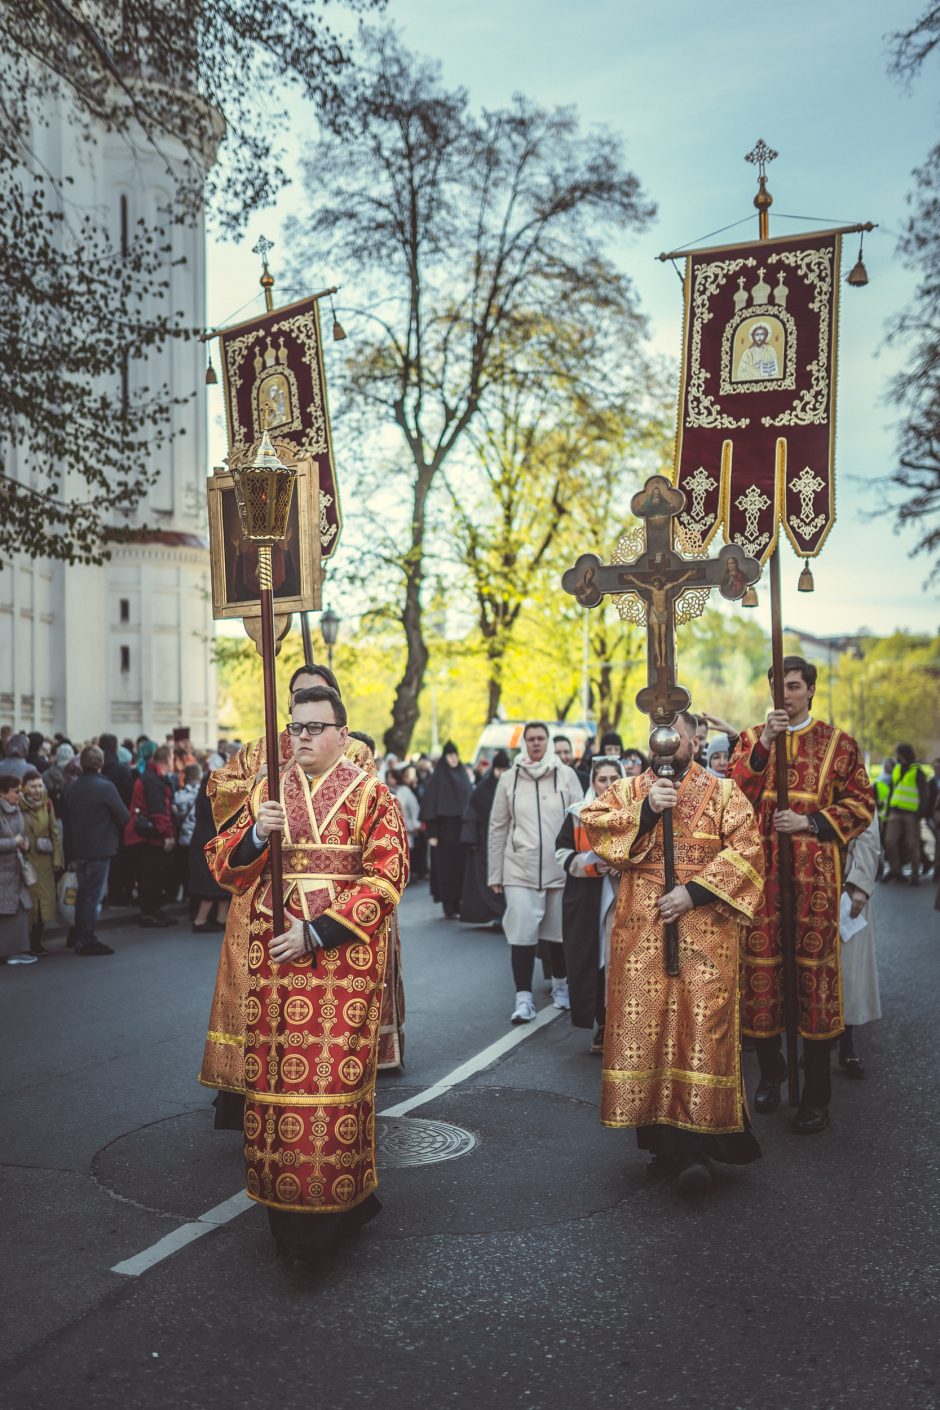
<point>126,646</point>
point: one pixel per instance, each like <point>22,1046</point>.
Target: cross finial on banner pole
<point>759,155</point>
<point>267,278</point>
<point>263,245</point>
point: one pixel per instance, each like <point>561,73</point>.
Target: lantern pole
<point>271,743</point>
<point>264,488</point>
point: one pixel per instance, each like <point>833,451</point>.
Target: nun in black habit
<point>442,808</point>
<point>479,905</point>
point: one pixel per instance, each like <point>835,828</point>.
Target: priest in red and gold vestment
<point>672,1050</point>
<point>831,801</point>
<point>314,994</point>
<point>222,1061</point>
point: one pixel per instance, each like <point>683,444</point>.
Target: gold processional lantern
<point>264,488</point>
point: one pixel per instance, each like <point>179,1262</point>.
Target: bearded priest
<point>672,1050</point>
<point>312,1013</point>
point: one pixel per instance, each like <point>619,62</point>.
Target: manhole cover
<point>404,1140</point>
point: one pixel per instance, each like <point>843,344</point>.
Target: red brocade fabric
<point>312,1034</point>
<point>826,775</point>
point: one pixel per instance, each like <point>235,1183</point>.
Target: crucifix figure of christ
<point>659,577</point>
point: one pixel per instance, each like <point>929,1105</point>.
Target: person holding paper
<point>861,998</point>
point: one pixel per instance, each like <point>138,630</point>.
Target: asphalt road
<point>542,1268</point>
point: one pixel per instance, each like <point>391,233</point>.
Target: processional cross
<point>658,578</point>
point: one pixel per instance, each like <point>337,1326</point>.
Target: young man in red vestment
<point>831,801</point>
<point>313,1010</point>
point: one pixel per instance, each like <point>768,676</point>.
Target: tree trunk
<point>494,690</point>
<point>397,737</point>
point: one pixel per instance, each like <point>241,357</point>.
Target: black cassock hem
<point>730,1148</point>
<point>319,1233</point>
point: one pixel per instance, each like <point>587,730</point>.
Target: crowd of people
<point>102,823</point>
<point>564,855</point>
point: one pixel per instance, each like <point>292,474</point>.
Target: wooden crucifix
<point>659,577</point>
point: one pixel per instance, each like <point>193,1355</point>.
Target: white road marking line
<point>476,1064</point>
<point>185,1234</point>
<point>230,1209</point>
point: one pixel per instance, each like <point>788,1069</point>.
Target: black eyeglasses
<point>313,727</point>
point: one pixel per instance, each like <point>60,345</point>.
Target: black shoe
<point>852,1066</point>
<point>162,918</point>
<point>96,949</point>
<point>694,1177</point>
<point>767,1096</point>
<point>294,1261</point>
<point>810,1120</point>
<point>597,1042</point>
<point>663,1167</point>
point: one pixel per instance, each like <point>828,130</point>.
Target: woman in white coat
<point>860,996</point>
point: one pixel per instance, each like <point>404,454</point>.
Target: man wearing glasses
<point>313,1005</point>
<point>229,788</point>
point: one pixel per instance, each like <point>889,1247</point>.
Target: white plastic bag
<point>66,894</point>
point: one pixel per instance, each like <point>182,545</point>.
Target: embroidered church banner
<point>273,366</point>
<point>756,429</point>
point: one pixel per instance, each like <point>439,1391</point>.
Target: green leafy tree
<point>461,231</point>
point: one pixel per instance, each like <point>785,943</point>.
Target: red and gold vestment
<point>222,1059</point>
<point>826,776</point>
<point>311,1034</point>
<point>672,1053</point>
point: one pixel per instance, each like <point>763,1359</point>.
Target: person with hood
<point>717,755</point>
<point>587,907</point>
<point>442,809</point>
<point>60,776</point>
<point>44,855</point>
<point>37,758</point>
<point>15,873</point>
<point>528,810</point>
<point>15,765</point>
<point>478,904</point>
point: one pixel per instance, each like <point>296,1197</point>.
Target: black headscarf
<point>447,790</point>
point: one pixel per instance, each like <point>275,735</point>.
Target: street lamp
<point>329,629</point>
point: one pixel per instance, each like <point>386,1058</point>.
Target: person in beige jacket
<point>528,810</point>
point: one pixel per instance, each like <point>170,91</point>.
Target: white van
<point>507,735</point>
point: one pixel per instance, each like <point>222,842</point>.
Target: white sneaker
<point>560,994</point>
<point>524,1012</point>
<point>22,959</point>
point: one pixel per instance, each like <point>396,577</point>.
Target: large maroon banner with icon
<point>272,369</point>
<point>756,427</point>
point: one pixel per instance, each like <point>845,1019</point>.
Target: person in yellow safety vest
<point>907,804</point>
<point>882,787</point>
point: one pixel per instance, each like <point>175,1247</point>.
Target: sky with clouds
<point>690,88</point>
